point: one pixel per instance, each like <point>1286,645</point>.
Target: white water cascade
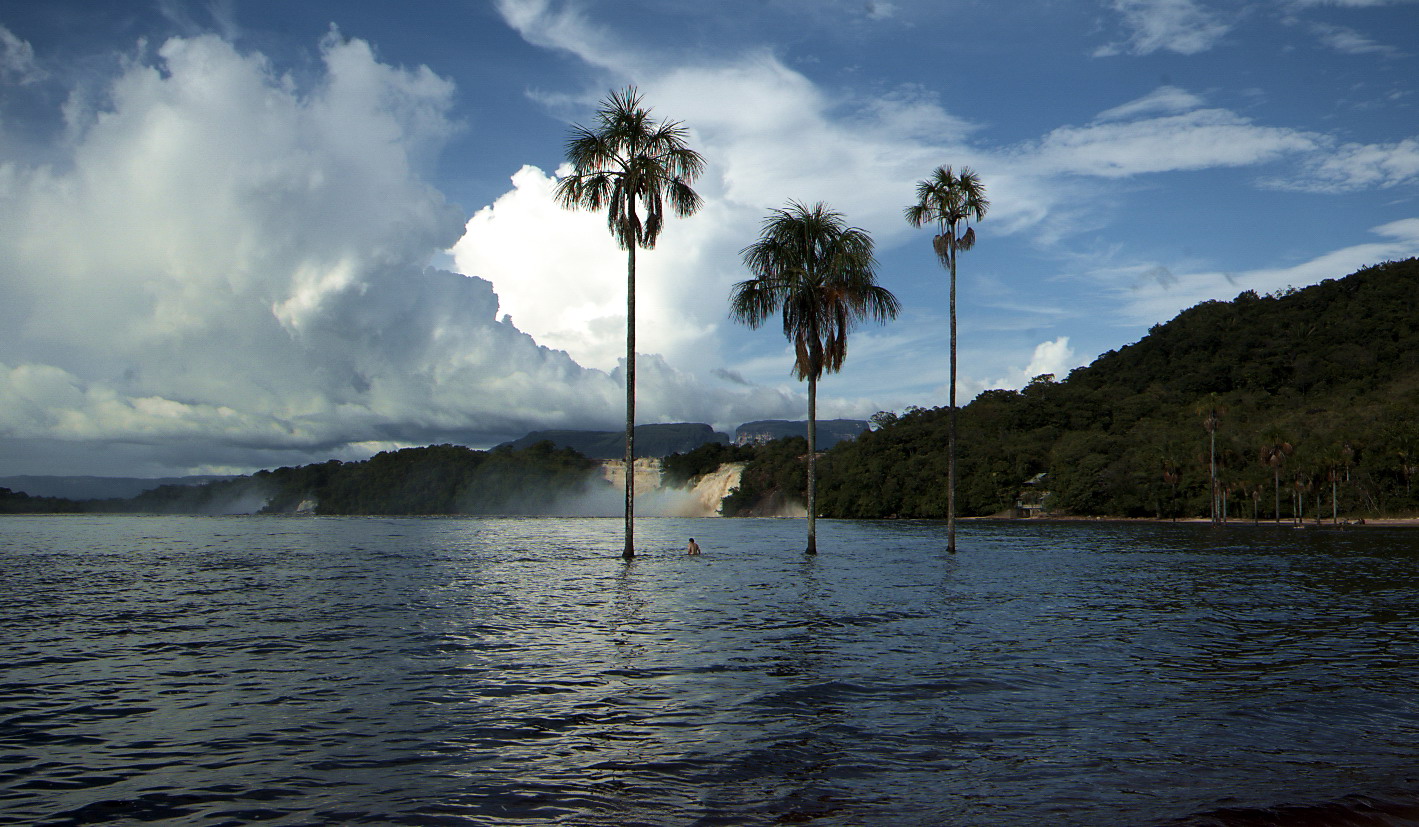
<point>646,470</point>
<point>701,499</point>
<point>709,490</point>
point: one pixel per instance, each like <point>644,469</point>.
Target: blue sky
<point>241,234</point>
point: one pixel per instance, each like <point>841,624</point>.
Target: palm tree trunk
<point>812,465</point>
<point>951,438</point>
<point>1212,464</point>
<point>1276,478</point>
<point>630,551</point>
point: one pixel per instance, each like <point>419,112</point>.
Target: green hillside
<point>1328,376</point>
<point>439,479</point>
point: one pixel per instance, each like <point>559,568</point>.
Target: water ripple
<point>488,672</point>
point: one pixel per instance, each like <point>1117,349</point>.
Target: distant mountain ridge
<point>96,488</point>
<point>651,440</point>
<point>830,431</point>
<point>658,440</point>
<point>683,437</point>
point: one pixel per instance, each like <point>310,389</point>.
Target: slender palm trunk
<point>951,438</point>
<point>630,401</point>
<point>1276,478</point>
<point>812,465</point>
<point>1212,458</point>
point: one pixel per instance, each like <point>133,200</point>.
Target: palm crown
<point>629,163</point>
<point>948,200</point>
<point>822,274</point>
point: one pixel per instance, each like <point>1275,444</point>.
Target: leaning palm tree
<point>822,274</point>
<point>950,201</point>
<point>632,166</point>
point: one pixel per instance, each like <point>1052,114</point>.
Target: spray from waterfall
<point>604,496</point>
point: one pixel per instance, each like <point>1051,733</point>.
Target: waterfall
<point>646,470</point>
<point>710,489</point>
<point>700,499</point>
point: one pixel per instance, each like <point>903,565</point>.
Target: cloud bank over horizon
<point>229,260</point>
<point>236,250</point>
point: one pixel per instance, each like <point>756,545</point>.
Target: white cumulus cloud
<point>1055,358</point>
<point>230,260</point>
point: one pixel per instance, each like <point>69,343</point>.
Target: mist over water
<point>232,670</point>
<point>701,497</point>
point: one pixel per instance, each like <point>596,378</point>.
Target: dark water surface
<point>486,671</point>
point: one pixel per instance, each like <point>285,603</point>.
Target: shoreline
<point>1359,523</point>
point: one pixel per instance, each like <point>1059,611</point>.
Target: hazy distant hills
<point>830,431</point>
<point>95,488</point>
<point>683,437</point>
<point>651,441</point>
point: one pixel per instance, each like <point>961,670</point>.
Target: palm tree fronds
<point>822,274</point>
<point>630,166</point>
<point>950,200</point>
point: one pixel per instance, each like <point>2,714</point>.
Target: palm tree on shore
<point>822,274</point>
<point>1274,454</point>
<point>632,166</point>
<point>950,201</point>
<point>1212,413</point>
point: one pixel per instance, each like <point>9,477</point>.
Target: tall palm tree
<point>822,274</point>
<point>950,201</point>
<point>1274,453</point>
<point>1212,412</point>
<point>632,166</point>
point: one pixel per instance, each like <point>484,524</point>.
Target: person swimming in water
<point>693,548</point>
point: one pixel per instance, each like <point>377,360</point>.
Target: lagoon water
<point>226,671</point>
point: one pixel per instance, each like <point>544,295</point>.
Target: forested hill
<point>1353,335</point>
<point>1309,386</point>
<point>439,479</point>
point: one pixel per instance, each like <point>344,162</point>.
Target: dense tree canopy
<point>439,479</point>
<point>1332,371</point>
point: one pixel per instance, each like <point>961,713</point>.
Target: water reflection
<point>515,671</point>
